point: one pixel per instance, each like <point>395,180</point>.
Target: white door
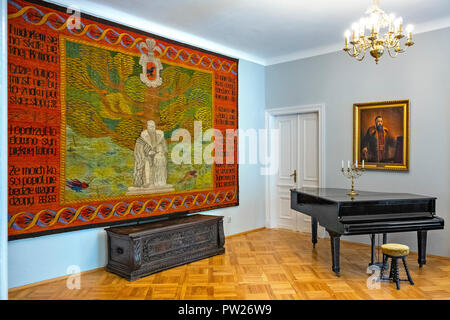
<point>299,158</point>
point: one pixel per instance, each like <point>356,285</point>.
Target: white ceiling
<point>263,31</point>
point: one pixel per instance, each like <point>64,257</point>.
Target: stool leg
<point>407,271</point>
<point>391,272</point>
<point>396,274</point>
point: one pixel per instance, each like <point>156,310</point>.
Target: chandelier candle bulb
<point>391,22</point>
<point>409,29</point>
<point>347,37</point>
<point>398,25</point>
<point>355,31</point>
<point>362,27</point>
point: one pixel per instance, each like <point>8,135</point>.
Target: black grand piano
<point>367,213</point>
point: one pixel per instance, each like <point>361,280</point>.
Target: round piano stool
<point>395,251</point>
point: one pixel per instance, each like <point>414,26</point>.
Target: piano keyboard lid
<point>340,195</point>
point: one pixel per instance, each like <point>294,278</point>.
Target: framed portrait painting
<point>381,135</point>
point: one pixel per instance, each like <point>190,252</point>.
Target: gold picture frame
<point>381,134</point>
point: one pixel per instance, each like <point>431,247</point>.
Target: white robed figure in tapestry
<point>150,162</point>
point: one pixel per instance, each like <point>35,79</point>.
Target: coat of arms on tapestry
<point>108,124</point>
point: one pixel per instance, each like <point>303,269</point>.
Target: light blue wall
<point>422,75</point>
<point>3,156</point>
<point>42,258</point>
<point>251,211</point>
<point>47,257</point>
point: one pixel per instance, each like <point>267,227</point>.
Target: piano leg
<point>335,248</point>
<point>372,249</point>
<point>314,231</point>
<point>385,264</point>
<point>422,246</point>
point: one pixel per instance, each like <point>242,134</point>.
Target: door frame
<point>270,115</point>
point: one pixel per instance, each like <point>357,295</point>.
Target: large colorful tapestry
<point>108,124</point>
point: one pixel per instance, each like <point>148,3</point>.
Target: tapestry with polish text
<point>108,124</point>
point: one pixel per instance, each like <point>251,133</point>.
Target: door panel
<point>286,217</point>
<point>298,150</point>
<point>308,155</point>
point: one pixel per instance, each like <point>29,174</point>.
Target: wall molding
<point>111,14</point>
<point>43,282</point>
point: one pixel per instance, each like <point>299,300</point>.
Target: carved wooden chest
<point>139,250</point>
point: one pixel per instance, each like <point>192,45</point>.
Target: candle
<point>363,164</point>
<point>355,31</point>
<point>362,27</point>
<point>356,164</point>
<point>391,22</point>
<point>348,164</point>
<point>342,164</point>
<point>398,25</point>
<point>347,38</point>
<point>373,23</point>
<point>409,30</point>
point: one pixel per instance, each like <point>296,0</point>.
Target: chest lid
<point>158,226</point>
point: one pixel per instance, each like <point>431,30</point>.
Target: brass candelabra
<point>352,172</point>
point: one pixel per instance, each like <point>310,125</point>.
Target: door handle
<point>295,176</point>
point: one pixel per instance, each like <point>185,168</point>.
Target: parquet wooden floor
<point>265,264</point>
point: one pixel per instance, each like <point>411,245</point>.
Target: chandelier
<point>374,41</point>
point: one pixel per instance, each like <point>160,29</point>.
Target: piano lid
<point>340,195</point>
